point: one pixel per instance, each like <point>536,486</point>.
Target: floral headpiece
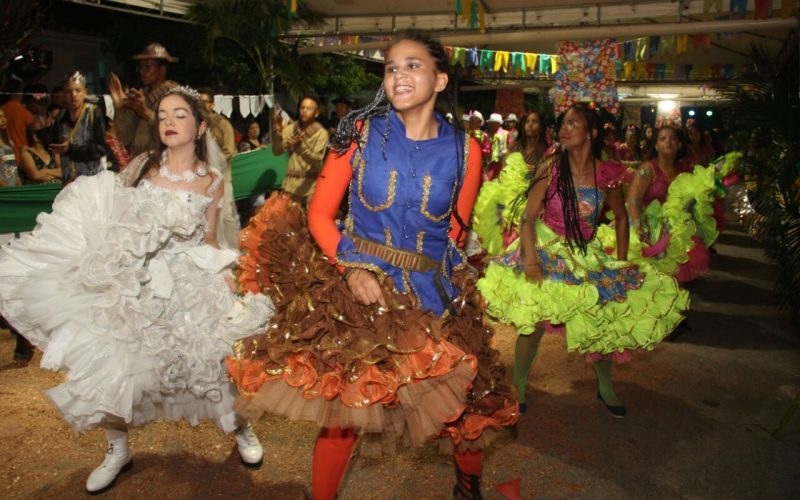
<point>691,122</point>
<point>672,121</point>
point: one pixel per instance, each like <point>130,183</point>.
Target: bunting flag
<point>627,63</point>
<point>703,41</point>
<point>641,48</point>
<point>655,42</point>
<point>787,6</point>
<point>472,58</point>
<point>487,60</point>
<point>738,9</point>
<point>530,62</point>
<point>762,9</point>
<point>544,63</point>
<point>501,60</point>
<point>707,4</point>
<point>587,73</point>
<point>518,66</point>
<point>291,10</point>
<point>458,57</point>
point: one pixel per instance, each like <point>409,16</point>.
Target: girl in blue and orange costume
<point>385,337</point>
<point>559,276</point>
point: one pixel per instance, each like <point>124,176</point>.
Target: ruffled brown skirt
<point>398,375</point>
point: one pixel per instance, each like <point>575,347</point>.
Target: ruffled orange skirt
<point>401,375</point>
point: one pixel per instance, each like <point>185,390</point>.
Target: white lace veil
<point>228,227</point>
<point>228,219</point>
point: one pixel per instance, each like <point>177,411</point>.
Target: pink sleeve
<point>610,174</point>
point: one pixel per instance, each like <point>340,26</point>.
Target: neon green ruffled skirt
<point>591,295</point>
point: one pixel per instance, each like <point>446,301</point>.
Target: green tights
<point>524,354</point>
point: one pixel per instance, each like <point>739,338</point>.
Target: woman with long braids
<point>560,275</point>
<point>384,338</point>
<point>125,288</point>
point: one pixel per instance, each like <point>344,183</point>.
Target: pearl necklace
<point>186,176</point>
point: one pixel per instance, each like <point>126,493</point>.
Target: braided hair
<point>347,131</point>
<point>595,119</point>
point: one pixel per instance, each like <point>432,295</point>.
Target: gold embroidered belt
<point>396,257</point>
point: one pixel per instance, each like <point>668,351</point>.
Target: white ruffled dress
<point>118,289</point>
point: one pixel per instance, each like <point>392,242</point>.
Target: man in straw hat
<point>498,137</point>
<point>135,107</point>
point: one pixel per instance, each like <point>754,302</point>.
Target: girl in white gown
<point>125,288</point>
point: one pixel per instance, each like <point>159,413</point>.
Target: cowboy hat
<point>155,51</point>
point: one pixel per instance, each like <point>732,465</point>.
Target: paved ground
<point>701,410</point>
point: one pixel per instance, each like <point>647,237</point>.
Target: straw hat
<point>495,117</point>
<point>155,51</point>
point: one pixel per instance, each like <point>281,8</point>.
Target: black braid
<point>347,130</point>
<point>564,184</point>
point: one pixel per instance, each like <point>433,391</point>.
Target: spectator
<point>36,99</point>
<point>18,118</point>
<point>251,140</point>
<point>222,132</point>
<point>306,141</point>
<point>499,140</point>
<point>79,132</point>
<point>135,107</point>
<point>38,165</point>
<point>221,128</point>
<point>8,165</point>
<point>343,105</point>
<point>511,126</point>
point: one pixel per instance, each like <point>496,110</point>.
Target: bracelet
<point>347,272</point>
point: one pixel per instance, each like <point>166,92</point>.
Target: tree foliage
<point>766,116</point>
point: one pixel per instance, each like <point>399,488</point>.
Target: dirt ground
<point>701,410</point>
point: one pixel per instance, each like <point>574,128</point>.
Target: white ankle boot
<point>118,459</point>
<point>249,447</point>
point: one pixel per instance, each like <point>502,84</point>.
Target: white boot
<point>249,447</point>
<point>118,459</point>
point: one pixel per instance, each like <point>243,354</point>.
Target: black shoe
<point>523,408</point>
<point>615,411</point>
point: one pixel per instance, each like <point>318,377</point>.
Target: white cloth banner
<point>109,102</point>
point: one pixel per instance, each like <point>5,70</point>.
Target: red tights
<point>332,453</point>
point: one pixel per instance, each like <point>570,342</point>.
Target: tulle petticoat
<point>402,375</point>
<point>117,291</point>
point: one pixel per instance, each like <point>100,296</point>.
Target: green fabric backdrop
<point>254,172</point>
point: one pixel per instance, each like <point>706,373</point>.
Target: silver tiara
<point>77,77</point>
<point>186,91</point>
